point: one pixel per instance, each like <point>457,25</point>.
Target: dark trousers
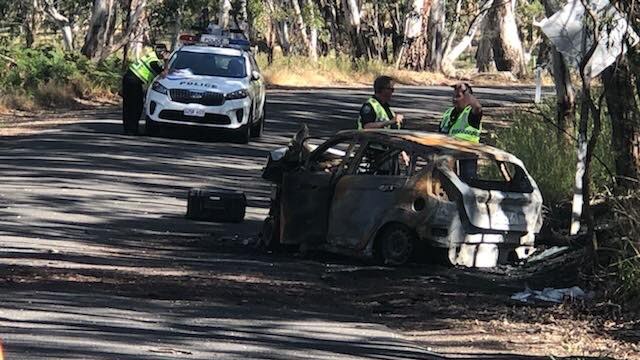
<point>132,102</point>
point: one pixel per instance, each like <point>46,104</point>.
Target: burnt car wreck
<point>384,194</point>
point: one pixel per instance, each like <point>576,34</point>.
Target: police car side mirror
<point>255,75</point>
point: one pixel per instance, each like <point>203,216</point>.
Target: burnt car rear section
<point>387,194</point>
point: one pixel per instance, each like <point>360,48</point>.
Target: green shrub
<point>628,265</point>
<point>51,76</point>
<point>552,163</point>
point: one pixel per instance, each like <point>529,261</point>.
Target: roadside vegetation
<point>47,77</point>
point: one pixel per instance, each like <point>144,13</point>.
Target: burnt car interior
<point>497,175</point>
<point>381,159</point>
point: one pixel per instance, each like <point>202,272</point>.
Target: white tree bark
<point>353,24</point>
<point>313,36</point>
<point>62,22</point>
<point>413,21</point>
<point>508,52</point>
<point>94,40</point>
<point>223,15</point>
<point>133,33</point>
<point>354,13</point>
<point>302,27</point>
<point>463,44</point>
<point>437,20</point>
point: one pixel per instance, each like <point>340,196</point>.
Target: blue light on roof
<point>240,43</point>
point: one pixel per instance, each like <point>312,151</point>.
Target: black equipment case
<point>216,205</point>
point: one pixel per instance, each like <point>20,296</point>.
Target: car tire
<point>395,244</point>
<point>243,134</point>
<point>269,236</point>
<point>258,129</point>
<point>151,128</point>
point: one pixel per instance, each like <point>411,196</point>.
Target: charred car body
<point>383,194</point>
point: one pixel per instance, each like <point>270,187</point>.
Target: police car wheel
<point>151,127</point>
<point>243,134</point>
<point>258,128</point>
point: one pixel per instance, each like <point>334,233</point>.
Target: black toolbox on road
<point>216,205</point>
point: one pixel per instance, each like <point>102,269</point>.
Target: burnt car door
<point>306,193</point>
<point>366,194</point>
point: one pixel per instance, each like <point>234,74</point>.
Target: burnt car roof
<point>446,144</point>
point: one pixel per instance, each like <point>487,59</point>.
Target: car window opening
<point>383,160</point>
<point>489,174</point>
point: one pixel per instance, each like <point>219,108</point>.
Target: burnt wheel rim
<point>397,247</point>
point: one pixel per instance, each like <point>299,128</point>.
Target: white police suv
<point>209,83</point>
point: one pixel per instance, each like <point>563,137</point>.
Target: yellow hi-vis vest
<point>381,114</point>
<point>142,68</point>
<point>460,128</point>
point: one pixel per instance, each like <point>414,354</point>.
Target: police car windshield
<point>207,64</point>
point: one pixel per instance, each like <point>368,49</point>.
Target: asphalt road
<point>90,218</point>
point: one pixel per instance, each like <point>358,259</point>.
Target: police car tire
<point>151,127</point>
<point>258,128</point>
<point>244,133</point>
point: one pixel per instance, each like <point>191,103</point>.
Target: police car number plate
<point>194,112</point>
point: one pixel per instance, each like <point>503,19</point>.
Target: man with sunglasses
<point>376,112</point>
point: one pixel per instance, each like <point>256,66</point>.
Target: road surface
<point>98,262</point>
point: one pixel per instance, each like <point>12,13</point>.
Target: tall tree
<point>102,13</point>
<point>61,21</point>
<point>417,36</point>
<point>302,28</point>
<point>565,94</point>
<point>508,52</point>
<point>625,122</point>
<point>353,24</point>
<point>223,15</point>
<point>312,12</point>
<point>453,52</point>
<point>437,22</point>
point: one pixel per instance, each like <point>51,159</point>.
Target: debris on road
<point>548,253</point>
<point>550,295</point>
<point>216,205</point>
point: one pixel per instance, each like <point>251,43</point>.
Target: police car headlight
<point>239,94</point>
<point>157,87</point>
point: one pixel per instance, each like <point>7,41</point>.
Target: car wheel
<point>395,245</point>
<point>151,127</point>
<point>269,236</point>
<point>243,134</point>
<point>258,129</point>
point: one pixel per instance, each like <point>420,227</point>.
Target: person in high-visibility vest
<point>463,122</point>
<point>136,79</point>
<point>376,112</point>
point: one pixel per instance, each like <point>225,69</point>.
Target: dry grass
<point>54,95</point>
<point>17,101</point>
<point>299,71</point>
